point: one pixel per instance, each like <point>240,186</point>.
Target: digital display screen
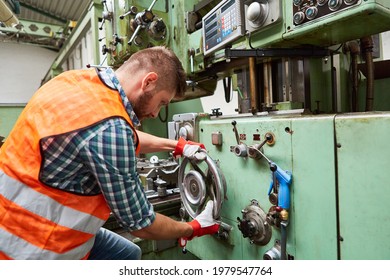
<point>213,17</point>
<point>227,6</point>
<point>221,25</point>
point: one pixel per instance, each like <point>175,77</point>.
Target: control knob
<point>334,4</point>
<point>257,13</point>
<point>311,13</point>
<point>254,225</point>
<point>298,2</point>
<point>299,17</point>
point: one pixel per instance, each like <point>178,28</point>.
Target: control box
<point>330,22</point>
<point>222,25</point>
<point>306,11</point>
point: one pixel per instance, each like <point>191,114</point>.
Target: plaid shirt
<point>101,159</point>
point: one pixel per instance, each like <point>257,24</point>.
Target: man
<point>70,161</point>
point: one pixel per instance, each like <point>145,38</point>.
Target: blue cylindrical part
<point>284,178</point>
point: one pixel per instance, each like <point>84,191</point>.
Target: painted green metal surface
<point>381,95</point>
<point>363,177</point>
<point>8,117</point>
<point>308,151</point>
<point>246,179</point>
<point>122,28</point>
<point>314,200</point>
<point>339,192</point>
<point>366,18</point>
<point>150,251</point>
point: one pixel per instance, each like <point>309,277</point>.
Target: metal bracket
<point>277,52</point>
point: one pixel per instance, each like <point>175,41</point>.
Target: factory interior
<point>291,99</point>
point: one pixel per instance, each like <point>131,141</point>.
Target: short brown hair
<point>162,61</point>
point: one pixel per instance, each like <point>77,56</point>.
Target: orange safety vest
<point>38,221</point>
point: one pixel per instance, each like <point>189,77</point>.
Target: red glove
<point>203,224</point>
<point>187,148</point>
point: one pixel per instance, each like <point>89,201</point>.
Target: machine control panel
<point>223,24</point>
<point>308,10</point>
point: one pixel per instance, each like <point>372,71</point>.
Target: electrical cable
<point>166,115</point>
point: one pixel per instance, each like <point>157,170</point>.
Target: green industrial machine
<point>299,171</point>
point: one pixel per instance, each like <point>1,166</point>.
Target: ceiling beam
<point>34,33</point>
<point>43,12</point>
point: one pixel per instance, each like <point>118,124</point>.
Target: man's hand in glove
<point>188,149</point>
<point>203,224</point>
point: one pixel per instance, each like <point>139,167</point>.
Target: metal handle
<point>215,192</point>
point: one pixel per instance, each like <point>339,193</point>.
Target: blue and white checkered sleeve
<point>111,156</point>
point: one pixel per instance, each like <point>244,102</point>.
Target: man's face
<point>148,104</point>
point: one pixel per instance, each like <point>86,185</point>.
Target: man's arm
<point>150,143</point>
<point>164,227</point>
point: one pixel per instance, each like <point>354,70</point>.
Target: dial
<point>299,17</point>
<point>298,2</point>
<point>187,131</point>
<point>334,4</point>
<point>311,12</point>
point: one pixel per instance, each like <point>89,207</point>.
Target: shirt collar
<point>109,78</point>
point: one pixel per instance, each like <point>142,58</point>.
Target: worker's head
<point>151,78</point>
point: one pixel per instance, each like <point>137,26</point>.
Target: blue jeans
<point>111,246</point>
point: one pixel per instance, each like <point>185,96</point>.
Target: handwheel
<point>200,181</point>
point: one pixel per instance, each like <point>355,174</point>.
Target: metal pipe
<point>253,85</point>
<point>367,46</point>
<point>266,83</point>
<point>334,84</point>
<point>306,81</point>
<point>270,89</point>
<point>354,69</point>
<point>283,240</point>
<point>354,48</point>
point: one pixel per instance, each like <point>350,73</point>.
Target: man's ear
<point>149,82</point>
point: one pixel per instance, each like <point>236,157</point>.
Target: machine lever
<point>268,138</point>
<point>142,18</point>
<point>151,5</point>
<point>191,52</point>
<point>234,123</point>
<point>134,34</point>
<point>126,14</point>
<point>284,178</point>
<point>272,165</point>
<point>95,66</point>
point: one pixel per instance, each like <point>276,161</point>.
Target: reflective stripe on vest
<point>16,247</point>
<point>33,201</point>
<point>22,250</point>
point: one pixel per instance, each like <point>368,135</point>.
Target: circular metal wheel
<point>200,181</point>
